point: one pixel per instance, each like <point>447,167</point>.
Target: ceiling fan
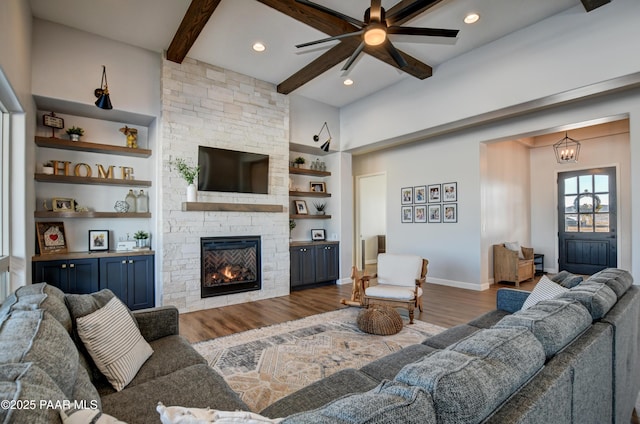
<point>375,28</point>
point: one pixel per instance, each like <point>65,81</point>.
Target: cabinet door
<point>113,276</point>
<point>327,260</point>
<point>55,273</point>
<point>83,276</point>
<point>140,284</point>
<point>302,266</point>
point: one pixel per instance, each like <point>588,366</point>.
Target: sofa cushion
<point>388,366</point>
<point>319,393</point>
<point>450,336</point>
<point>545,289</point>
<point>197,386</point>
<point>29,385</point>
<point>567,279</point>
<point>35,336</point>
<point>399,270</point>
<point>114,342</point>
<point>393,292</point>
<point>38,296</point>
<point>488,319</point>
<point>471,378</point>
<point>596,297</point>
<point>389,402</point>
<point>618,280</point>
<point>555,323</point>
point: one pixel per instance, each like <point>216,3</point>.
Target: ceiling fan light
<point>471,18</point>
<point>375,35</point>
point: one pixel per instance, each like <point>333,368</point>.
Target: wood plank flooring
<point>442,305</point>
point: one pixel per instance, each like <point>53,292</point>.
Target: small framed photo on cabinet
<point>318,235</point>
<point>98,240</point>
<point>51,237</point>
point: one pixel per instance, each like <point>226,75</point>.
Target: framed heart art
<point>51,237</point>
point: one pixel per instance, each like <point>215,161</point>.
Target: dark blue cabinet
<point>131,278</point>
<point>78,276</point>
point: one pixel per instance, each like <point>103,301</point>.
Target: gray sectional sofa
<point>573,359</point>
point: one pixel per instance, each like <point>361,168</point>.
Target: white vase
<point>75,137</point>
<point>192,193</point>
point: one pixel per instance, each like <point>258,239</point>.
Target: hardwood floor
<point>442,305</point>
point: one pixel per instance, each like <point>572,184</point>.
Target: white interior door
<point>371,216</point>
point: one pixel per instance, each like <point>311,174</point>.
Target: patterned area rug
<point>266,364</point>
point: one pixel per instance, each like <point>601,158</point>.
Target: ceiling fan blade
<point>431,32</point>
<point>332,12</point>
<point>353,57</point>
<point>375,12</point>
<point>411,10</point>
<point>324,40</point>
<point>395,54</point>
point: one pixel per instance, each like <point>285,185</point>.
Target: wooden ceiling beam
<point>410,9</point>
<point>193,22</point>
<point>324,22</point>
<point>323,63</point>
<point>590,5</point>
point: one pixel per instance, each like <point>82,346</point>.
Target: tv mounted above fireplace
<point>232,171</point>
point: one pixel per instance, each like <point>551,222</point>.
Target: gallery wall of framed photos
<point>433,203</point>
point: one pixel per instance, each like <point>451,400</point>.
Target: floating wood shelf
<point>55,214</point>
<point>311,172</point>
<point>230,207</point>
<point>296,193</point>
<point>68,179</point>
<point>310,216</point>
<point>58,143</point>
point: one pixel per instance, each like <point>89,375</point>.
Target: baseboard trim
<point>458,284</point>
<point>343,281</point>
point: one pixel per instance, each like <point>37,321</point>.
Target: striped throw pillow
<point>544,290</point>
<point>114,342</point>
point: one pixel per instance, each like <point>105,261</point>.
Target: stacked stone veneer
<point>210,106</point>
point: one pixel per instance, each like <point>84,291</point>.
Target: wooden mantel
<point>229,207</point>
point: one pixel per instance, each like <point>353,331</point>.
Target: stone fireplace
<point>230,265</point>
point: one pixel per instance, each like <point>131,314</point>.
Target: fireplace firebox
<point>230,265</point>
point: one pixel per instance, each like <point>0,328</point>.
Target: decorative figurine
<point>132,136</point>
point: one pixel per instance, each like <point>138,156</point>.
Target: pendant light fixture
<point>567,150</point>
<point>102,93</point>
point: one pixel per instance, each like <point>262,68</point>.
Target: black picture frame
<point>406,214</point>
<point>318,234</point>
<point>98,240</point>
<point>434,213</point>
<point>406,195</point>
<point>420,194</point>
<point>420,213</point>
<point>450,192</point>
<point>433,193</point>
<point>450,212</point>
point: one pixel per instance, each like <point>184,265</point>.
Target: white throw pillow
<point>181,415</point>
<point>515,246</point>
<point>84,416</point>
<point>544,290</point>
<point>114,342</point>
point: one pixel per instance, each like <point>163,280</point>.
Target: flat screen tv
<point>232,171</point>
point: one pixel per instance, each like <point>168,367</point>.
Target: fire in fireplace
<point>230,265</point>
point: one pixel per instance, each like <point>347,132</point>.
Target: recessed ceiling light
<point>348,82</point>
<point>471,18</point>
<point>259,47</point>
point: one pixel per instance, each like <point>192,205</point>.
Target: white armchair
<point>399,282</point>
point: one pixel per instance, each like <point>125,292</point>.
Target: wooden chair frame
<point>411,304</point>
<point>507,266</point>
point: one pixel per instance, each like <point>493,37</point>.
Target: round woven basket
<point>379,319</point>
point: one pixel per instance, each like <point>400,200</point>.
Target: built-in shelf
<point>310,216</point>
<point>230,207</point>
<point>68,179</point>
<point>89,255</point>
<point>297,193</point>
<point>311,172</point>
<point>70,214</point>
<point>58,143</point>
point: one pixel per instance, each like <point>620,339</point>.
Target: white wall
<point>307,117</point>
<point>15,64</point>
<point>372,213</point>
<point>506,209</point>
<point>602,146</point>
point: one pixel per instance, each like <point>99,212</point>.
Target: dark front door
<point>587,220</point>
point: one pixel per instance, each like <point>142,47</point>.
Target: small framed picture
<point>407,214</point>
<point>98,240</point>
<point>61,204</point>
<point>317,187</point>
<point>435,213</point>
<point>450,192</point>
<point>434,193</point>
<point>301,207</point>
<point>406,194</point>
<point>420,213</point>
<point>51,237</point>
<point>450,213</point>
<point>420,194</point>
<point>318,235</point>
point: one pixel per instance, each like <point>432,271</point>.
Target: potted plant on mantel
<point>189,174</point>
<point>298,162</point>
<point>75,133</point>
<point>141,238</point>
